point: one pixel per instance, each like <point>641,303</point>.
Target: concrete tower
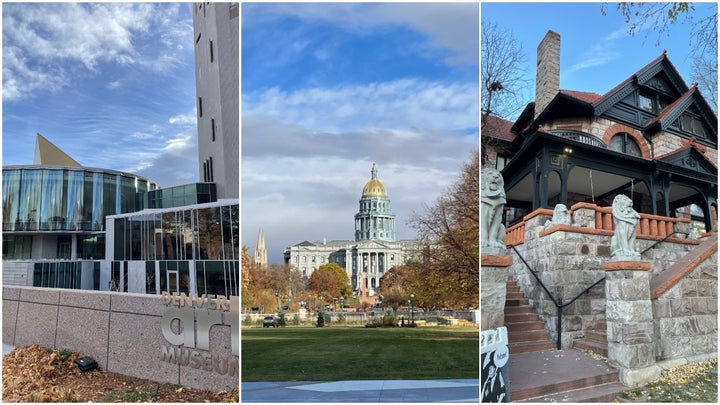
<point>216,30</point>
<point>375,221</point>
<point>260,251</point>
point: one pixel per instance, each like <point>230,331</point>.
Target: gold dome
<point>374,187</point>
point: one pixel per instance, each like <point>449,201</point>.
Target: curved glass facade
<point>37,198</point>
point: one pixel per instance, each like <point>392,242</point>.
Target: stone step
<point>598,393</point>
<point>520,309</point>
<point>528,347</point>
<point>513,318</point>
<point>601,325</point>
<point>600,348</point>
<point>514,302</point>
<point>528,336</point>
<point>523,326</point>
<point>539,374</point>
<point>596,336</point>
<point>514,296</point>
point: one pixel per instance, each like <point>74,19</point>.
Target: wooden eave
<point>690,162</point>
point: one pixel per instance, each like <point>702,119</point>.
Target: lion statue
<point>622,243</point>
<point>492,197</point>
<point>561,216</point>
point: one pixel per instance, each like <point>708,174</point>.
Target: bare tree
<point>503,75</point>
<point>702,44</point>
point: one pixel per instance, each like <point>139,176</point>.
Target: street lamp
<point>412,314</point>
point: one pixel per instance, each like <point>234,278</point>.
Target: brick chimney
<point>547,79</point>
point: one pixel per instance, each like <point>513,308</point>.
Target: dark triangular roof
<point>498,128</point>
<point>690,160</point>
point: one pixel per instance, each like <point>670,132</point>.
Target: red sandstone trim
<point>637,136</point>
<point>539,211</point>
<point>682,273</point>
<point>496,260</point>
<point>626,265</point>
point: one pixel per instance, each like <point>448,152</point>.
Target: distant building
<point>261,258</point>
<point>374,250</point>
<point>217,75</point>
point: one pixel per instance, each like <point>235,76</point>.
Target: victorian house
<point>651,137</point>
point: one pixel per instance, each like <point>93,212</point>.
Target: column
<point>493,290</point>
<point>631,346</point>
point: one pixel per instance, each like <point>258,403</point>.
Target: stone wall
<point>685,317</point>
<point>123,333</point>
<point>569,262</point>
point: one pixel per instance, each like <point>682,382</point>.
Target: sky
<point>329,89</point>
<point>596,51</point>
<point>112,85</point>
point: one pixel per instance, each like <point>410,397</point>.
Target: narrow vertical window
<point>211,52</point>
<point>212,124</point>
<point>200,107</point>
<point>210,166</point>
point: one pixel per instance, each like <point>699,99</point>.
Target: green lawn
<point>332,354</point>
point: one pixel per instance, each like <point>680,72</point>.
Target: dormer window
<point>645,103</point>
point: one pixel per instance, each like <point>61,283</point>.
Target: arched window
<point>624,143</point>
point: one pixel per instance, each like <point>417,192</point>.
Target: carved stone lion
<point>492,197</point>
<point>561,216</point>
<point>622,243</point>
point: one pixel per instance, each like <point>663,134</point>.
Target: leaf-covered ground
<point>37,374</point>
<point>695,382</point>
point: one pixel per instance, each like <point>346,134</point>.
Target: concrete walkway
<point>7,348</point>
<point>465,390</point>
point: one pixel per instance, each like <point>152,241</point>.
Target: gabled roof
<point>498,128</point>
<point>585,96</point>
<point>671,112</point>
<point>691,159</point>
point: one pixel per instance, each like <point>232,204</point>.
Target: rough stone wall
<point>570,262</point>
<point>685,317</point>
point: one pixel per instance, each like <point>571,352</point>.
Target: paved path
<point>465,390</point>
<point>7,348</point>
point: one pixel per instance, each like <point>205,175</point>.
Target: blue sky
<point>330,89</point>
<point>596,52</point>
<point>113,85</point>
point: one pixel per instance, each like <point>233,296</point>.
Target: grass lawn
<point>347,353</point>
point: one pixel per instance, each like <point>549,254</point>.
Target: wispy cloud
<point>602,52</point>
<point>394,104</point>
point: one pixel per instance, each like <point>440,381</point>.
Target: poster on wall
<point>494,356</point>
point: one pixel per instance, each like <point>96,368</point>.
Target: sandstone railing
<point>650,227</point>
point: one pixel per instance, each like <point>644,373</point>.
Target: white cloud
<point>601,53</point>
<point>453,27</point>
<point>184,119</point>
<point>400,103</point>
<point>44,45</point>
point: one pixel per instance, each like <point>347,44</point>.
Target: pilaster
<point>493,290</point>
<point>631,336</point>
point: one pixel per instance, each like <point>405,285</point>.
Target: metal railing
<point>662,240</point>
<point>579,136</point>
<point>559,305</point>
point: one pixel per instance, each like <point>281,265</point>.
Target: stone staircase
<point>526,333</point>
<point>594,340</point>
<point>539,373</point>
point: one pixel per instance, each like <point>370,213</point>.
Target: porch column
<point>631,336</point>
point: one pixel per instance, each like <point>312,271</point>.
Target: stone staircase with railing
<point>526,332</point>
<point>595,340</point>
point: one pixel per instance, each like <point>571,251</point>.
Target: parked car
<point>269,321</point>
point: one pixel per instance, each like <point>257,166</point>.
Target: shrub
<point>282,321</point>
<point>341,318</point>
<point>296,320</point>
<point>248,320</point>
<point>320,320</point>
<point>389,319</point>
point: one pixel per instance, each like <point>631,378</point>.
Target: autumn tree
<point>449,272</point>
<point>395,286</point>
<point>330,280</point>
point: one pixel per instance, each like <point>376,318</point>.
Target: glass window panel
<point>645,103</point>
<point>215,282</point>
<point>74,197</point>
<point>52,214</point>
<point>30,191</point>
<point>96,208</point>
<point>110,202</point>
<point>11,199</point>
<point>150,277</point>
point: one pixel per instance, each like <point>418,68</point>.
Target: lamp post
<point>412,314</point>
<point>342,303</point>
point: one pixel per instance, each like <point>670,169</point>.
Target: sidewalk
<point>465,390</point>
